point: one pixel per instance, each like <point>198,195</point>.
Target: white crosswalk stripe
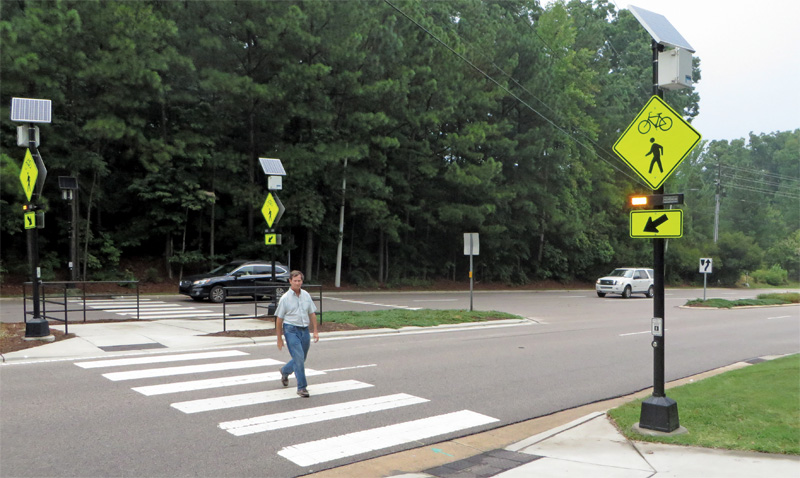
<point>159,359</point>
<point>294,418</point>
<point>256,398</point>
<point>187,369</point>
<point>215,383</point>
<point>343,446</point>
<point>302,454</point>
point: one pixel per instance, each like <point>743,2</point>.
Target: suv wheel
<point>601,294</point>
<point>650,293</point>
<point>627,292</point>
<point>217,294</point>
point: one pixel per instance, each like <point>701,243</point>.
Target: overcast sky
<point>749,60</point>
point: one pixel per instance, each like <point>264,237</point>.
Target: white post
<point>338,282</point>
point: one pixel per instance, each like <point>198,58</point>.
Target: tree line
<point>441,118</point>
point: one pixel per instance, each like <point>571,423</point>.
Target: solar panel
<point>29,110</point>
<point>660,28</point>
<point>272,167</point>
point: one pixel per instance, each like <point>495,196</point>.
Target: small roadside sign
<point>656,142</point>
<point>30,220</point>
<point>706,266</point>
<point>659,223</point>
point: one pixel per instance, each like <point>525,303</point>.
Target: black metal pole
<point>36,327</point>
<point>658,412</point>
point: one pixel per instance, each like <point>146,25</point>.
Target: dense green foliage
<point>495,117</point>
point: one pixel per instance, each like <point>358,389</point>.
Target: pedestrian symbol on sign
<point>656,150</point>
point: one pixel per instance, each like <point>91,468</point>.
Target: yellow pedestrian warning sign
<point>661,223</point>
<point>656,142</point>
<point>272,209</point>
<point>28,174</point>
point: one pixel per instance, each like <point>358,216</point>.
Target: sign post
<point>653,145</point>
<point>273,211</point>
<point>705,269</point>
<point>32,176</point>
<point>471,248</point>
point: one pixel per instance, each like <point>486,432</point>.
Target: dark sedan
<point>237,278</point>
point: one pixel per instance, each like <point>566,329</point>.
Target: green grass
<point>396,318</point>
<point>762,299</point>
<point>756,408</point>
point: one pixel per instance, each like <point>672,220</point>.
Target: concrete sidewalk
<point>577,442</point>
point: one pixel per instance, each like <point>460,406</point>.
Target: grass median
<point>780,298</point>
<point>397,318</point>
<point>756,408</point>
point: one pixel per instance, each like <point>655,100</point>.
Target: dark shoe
<point>285,380</point>
<point>303,393</point>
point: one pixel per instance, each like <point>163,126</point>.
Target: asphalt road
<point>61,419</point>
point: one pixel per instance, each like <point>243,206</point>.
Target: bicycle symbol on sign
<point>659,122</point>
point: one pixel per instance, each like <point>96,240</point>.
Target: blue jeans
<point>298,342</point>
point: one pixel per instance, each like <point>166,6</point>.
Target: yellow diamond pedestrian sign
<point>272,209</point>
<point>656,142</point>
<point>660,223</point>
<point>29,174</point>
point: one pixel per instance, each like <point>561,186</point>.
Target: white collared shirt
<point>295,310</point>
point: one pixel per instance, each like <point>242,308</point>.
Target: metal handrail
<point>264,290</point>
<point>64,302</point>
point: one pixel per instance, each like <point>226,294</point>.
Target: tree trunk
<point>251,171</point>
<point>380,256</point>
<point>183,244</point>
<point>167,254</point>
<point>87,234</point>
<point>309,261</point>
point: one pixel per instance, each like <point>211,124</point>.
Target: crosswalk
<point>148,309</point>
<point>322,449</point>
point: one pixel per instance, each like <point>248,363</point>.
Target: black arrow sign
<point>652,226</point>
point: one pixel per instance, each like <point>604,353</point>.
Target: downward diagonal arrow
<point>652,226</point>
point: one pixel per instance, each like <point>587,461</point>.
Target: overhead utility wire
<point>765,173</point>
<point>523,102</point>
<point>749,187</point>
<point>752,189</point>
<point>760,182</point>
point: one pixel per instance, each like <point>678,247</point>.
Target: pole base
<point>37,328</point>
<point>660,414</point>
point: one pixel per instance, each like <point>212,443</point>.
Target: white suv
<point>626,281</point>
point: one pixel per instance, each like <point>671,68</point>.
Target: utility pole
<point>338,280</point>
<point>716,202</point>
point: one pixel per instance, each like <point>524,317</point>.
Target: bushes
<point>775,275</point>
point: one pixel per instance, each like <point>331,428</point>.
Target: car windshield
<point>621,273</point>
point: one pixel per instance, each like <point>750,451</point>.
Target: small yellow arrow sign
<point>29,174</point>
<point>270,239</point>
<point>661,223</point>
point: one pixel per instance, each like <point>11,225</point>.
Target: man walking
<point>295,312</point>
